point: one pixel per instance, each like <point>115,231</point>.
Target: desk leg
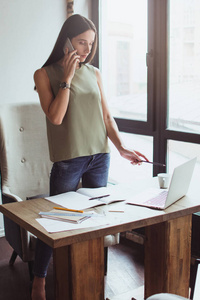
<point>167,257</point>
<point>79,271</point>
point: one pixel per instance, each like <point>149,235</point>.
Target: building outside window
<point>150,63</point>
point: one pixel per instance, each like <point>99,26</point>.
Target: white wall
<point>28,31</point>
<point>83,7</point>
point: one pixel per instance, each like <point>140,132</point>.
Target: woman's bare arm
<point>55,108</point>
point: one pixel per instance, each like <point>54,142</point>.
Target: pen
<point>153,163</point>
<point>99,197</point>
<point>67,209</point>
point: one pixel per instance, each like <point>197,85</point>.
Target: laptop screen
<point>197,285</point>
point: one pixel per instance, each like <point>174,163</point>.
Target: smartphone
<point>68,45</point>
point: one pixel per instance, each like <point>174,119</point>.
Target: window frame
<point>157,87</point>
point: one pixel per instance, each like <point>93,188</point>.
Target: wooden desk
<point>79,255</point>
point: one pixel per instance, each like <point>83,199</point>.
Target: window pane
<point>184,66</point>
<point>121,170</point>
<point>180,152</point>
<point>123,43</point>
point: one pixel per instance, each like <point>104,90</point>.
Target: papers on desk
<point>66,216</point>
<point>80,200</point>
<point>53,226</point>
<point>85,198</point>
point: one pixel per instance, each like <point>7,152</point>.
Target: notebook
<point>65,216</point>
<point>161,199</point>
<point>85,198</point>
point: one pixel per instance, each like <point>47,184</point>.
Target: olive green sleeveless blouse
<point>82,131</point>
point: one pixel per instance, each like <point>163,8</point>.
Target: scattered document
<point>53,226</point>
<point>85,198</point>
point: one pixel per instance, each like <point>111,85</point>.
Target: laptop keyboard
<point>159,200</point>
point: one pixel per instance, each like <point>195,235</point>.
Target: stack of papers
<point>66,216</point>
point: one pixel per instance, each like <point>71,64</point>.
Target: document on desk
<point>66,216</point>
<point>85,198</point>
<point>53,226</point>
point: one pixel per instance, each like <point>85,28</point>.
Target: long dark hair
<point>73,26</point>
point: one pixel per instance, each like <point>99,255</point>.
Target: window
<point>123,60</point>
<point>150,61</point>
<point>180,152</point>
<point>122,69</point>
<point>184,66</point>
<point>122,170</point>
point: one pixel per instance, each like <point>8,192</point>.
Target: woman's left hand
<point>134,156</point>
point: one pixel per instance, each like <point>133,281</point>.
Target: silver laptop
<point>161,199</point>
<point>197,284</point>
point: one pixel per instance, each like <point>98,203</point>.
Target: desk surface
<point>24,213</point>
<point>166,271</point>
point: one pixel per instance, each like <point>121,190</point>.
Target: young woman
<point>78,123</point>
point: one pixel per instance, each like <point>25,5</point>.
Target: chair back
<point>24,155</point>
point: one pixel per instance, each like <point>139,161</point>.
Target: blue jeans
<point>65,177</point>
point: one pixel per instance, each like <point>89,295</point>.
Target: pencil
<point>67,209</point>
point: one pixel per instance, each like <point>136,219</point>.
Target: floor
<point>124,280</point>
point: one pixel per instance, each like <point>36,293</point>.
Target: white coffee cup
<point>163,179</point>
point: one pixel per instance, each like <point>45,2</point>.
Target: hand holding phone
<point>68,45</point>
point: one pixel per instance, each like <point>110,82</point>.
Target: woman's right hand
<point>70,63</point>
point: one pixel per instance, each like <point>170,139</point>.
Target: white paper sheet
<point>52,226</point>
<point>73,200</point>
<point>80,199</point>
